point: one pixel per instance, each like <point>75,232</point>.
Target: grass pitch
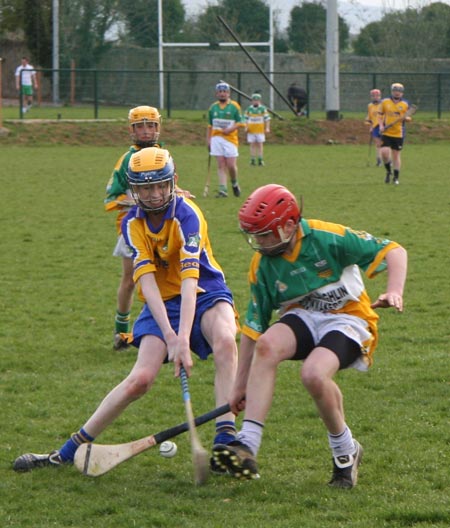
<point>57,302</point>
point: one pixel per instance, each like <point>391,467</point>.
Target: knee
<point>137,384</point>
<point>266,350</point>
<point>312,379</point>
<point>225,348</point>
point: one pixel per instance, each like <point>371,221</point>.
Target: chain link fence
<point>194,90</point>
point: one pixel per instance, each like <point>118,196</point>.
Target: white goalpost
<point>162,45</point>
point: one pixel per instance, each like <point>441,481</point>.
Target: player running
<point>372,120</point>
<point>392,127</point>
<point>309,271</point>
<point>187,304</point>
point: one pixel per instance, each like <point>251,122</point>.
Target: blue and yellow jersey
<point>372,114</point>
<point>177,249</point>
<point>222,116</point>
<point>389,111</point>
<point>256,118</point>
<point>322,274</point>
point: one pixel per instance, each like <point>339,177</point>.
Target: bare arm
<point>246,350</point>
<point>208,137</point>
<point>397,260</point>
<point>187,313</point>
<point>156,305</point>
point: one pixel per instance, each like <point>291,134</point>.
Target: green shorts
<point>27,90</point>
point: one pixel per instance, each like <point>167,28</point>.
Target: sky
<point>356,14</point>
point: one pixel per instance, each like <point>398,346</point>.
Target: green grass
<point>120,112</point>
<point>57,304</point>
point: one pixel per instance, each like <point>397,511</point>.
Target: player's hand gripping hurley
<point>200,457</point>
<point>94,460</point>
<point>411,111</point>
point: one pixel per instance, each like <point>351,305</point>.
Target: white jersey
<point>27,75</point>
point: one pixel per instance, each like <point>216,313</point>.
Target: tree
<point>369,39</point>
<point>249,20</point>
<point>141,21</point>
<point>33,20</point>
<point>307,29</point>
<point>421,33</point>
<point>38,31</point>
<point>84,26</point>
<point>11,16</point>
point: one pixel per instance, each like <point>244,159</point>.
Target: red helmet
<point>267,210</point>
<point>375,93</point>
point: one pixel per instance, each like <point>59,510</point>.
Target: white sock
<point>251,435</point>
<point>342,444</point>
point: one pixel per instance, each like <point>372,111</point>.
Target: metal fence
<point>194,90</point>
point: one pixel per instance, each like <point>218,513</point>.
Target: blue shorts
<point>376,132</point>
<point>146,325</point>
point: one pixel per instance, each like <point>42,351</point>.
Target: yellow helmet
<point>144,114</point>
<point>147,167</point>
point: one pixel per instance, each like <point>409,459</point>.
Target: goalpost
<point>162,45</point>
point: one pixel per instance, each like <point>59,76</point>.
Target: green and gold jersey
<point>256,118</point>
<point>322,274</point>
<point>221,116</point>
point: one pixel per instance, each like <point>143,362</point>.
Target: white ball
<point>168,449</point>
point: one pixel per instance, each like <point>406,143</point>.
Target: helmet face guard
<point>398,88</point>
<point>142,115</point>
<point>151,177</point>
<point>265,214</point>
<point>255,241</point>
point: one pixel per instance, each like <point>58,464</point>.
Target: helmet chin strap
<point>146,144</point>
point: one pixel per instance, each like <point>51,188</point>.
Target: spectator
<point>298,98</point>
<point>26,79</point>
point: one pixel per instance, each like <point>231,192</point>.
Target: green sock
<point>223,188</point>
<point>122,322</point>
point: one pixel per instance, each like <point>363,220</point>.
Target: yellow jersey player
<point>392,118</point>
<point>257,121</point>
<point>372,120</point>
<point>187,304</point>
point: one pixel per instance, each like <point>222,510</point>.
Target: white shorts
<point>256,138</point>
<point>222,147</point>
<point>353,327</point>
<point>121,249</point>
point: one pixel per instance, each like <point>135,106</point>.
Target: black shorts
<point>394,143</point>
<point>347,350</point>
